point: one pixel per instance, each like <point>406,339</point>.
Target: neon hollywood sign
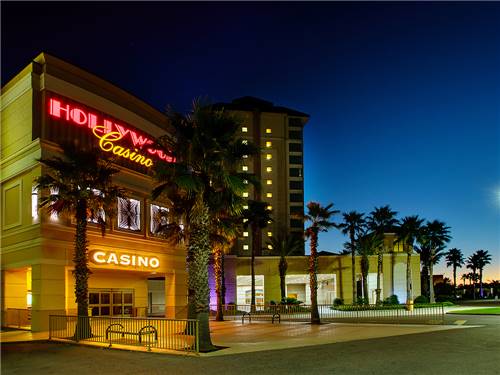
<point>127,260</point>
<point>109,133</point>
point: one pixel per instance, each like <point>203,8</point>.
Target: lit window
<point>269,182</point>
<point>269,221</point>
<point>100,214</point>
<point>245,247</point>
<point>129,214</point>
<point>34,203</point>
<point>269,234</point>
<point>29,299</point>
<point>245,234</point>
<point>54,216</point>
<point>159,218</point>
<point>269,156</point>
<point>245,141</point>
<point>269,207</point>
<point>244,129</point>
<point>245,156</point>
<point>269,195</point>
<point>245,182</point>
<point>245,194</point>
<point>269,144</point>
<point>268,131</point>
<point>269,169</point>
<point>244,168</point>
<point>245,220</point>
<point>245,207</point>
<point>270,247</point>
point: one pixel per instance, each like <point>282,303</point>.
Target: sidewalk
<point>264,336</point>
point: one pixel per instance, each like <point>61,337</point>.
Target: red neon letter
<point>55,109</point>
<point>78,116</point>
<point>139,139</point>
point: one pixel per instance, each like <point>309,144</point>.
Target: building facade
<point>278,132</point>
<point>134,272</point>
<point>50,102</point>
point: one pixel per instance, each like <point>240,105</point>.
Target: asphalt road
<point>461,351</point>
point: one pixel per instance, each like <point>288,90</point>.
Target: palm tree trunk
<point>199,245</point>
<point>379,274</point>
<point>313,279</point>
<point>81,272</point>
<point>353,268</point>
<point>409,298</point>
<point>431,282</point>
<point>223,281</point>
<point>481,283</point>
<point>473,284</point>
<point>255,244</point>
<point>282,270</point>
<point>218,254</point>
<point>455,279</point>
<point>364,276</point>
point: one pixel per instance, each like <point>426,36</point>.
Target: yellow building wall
<point>340,266</point>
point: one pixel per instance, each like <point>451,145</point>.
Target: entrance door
<point>111,302</point>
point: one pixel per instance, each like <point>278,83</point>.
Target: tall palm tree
<point>381,220</point>
<point>257,216</point>
<point>483,258</point>
<point>435,234</point>
<point>208,153</point>
<point>81,185</point>
<point>367,245</point>
<point>285,244</point>
<point>409,231</point>
<point>353,225</point>
<point>455,259</point>
<point>473,264</point>
<point>319,217</point>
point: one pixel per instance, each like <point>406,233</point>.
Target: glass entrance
<point>111,302</point>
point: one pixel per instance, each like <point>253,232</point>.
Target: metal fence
<point>17,318</point>
<point>170,334</point>
<point>424,314</point>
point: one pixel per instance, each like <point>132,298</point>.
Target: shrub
<point>290,301</point>
<point>421,299</point>
<point>444,298</point>
<point>338,302</point>
<point>392,300</point>
<point>272,303</point>
<point>362,301</point>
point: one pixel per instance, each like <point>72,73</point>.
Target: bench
<point>120,329</point>
<point>273,317</point>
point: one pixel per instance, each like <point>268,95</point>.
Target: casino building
<point>49,102</point>
<point>135,273</point>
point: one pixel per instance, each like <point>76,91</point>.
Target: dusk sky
<point>404,98</point>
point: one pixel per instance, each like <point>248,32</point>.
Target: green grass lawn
<point>483,311</point>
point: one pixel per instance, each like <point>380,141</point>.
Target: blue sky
<point>404,98</point>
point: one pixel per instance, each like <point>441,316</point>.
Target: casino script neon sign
<point>127,260</point>
<point>110,134</point>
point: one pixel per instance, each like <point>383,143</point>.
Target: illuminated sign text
<point>102,127</point>
<point>109,257</point>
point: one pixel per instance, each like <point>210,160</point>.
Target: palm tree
<point>367,245</point>
<point>483,258</point>
<point>81,184</point>
<point>435,234</point>
<point>285,244</point>
<point>257,216</point>
<point>408,232</point>
<point>224,231</point>
<point>381,220</point>
<point>353,225</point>
<point>473,264</point>
<point>320,222</point>
<point>464,277</point>
<point>208,153</point>
<point>455,259</point>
